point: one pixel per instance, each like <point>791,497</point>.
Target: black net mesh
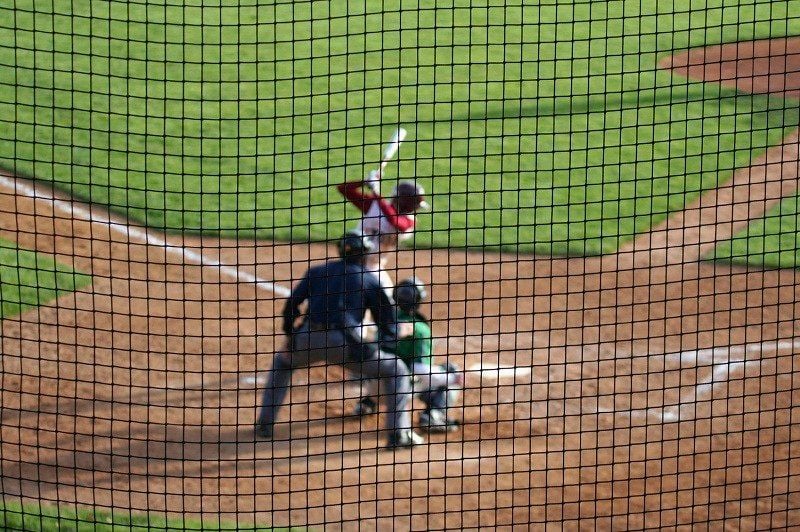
<point>592,207</point>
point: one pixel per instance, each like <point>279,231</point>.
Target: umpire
<point>338,293</point>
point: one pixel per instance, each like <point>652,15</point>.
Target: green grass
<point>28,279</point>
<point>542,128</point>
<point>770,242</point>
<point>31,517</point>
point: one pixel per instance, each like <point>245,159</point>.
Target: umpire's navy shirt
<point>339,294</point>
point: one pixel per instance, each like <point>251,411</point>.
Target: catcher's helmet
<point>353,246</point>
<point>409,293</point>
<point>409,197</point>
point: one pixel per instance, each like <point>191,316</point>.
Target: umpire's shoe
<point>404,438</point>
<point>436,420</point>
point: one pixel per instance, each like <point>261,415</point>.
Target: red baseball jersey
<point>380,216</point>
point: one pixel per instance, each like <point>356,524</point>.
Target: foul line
<point>68,207</point>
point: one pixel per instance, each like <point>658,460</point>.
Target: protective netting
<point>575,243</point>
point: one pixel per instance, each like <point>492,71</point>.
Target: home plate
<point>498,372</point>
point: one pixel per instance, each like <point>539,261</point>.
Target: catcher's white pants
<point>425,378</point>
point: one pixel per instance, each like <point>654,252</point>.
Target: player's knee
<point>405,384</point>
<point>397,384</point>
<point>391,365</point>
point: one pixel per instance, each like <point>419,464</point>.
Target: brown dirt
<point>129,393</point>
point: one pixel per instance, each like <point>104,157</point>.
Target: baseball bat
<point>391,149</point>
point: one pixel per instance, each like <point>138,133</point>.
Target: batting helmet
<point>353,246</point>
<point>409,197</point>
<point>409,293</point>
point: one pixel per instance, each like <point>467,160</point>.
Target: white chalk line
<point>722,361</point>
<point>253,380</point>
<point>497,372</point>
<point>133,232</point>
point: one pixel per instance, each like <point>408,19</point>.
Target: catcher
<point>436,385</point>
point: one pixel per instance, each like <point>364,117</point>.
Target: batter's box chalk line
<point>721,360</point>
<point>497,372</point>
<point>254,380</point>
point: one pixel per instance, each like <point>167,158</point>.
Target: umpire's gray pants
<point>311,345</point>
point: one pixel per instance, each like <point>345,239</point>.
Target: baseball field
<point>611,256</point>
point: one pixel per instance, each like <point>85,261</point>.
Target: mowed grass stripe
<point>34,517</point>
<point>29,279</point>
<point>770,241</point>
<point>545,128</point>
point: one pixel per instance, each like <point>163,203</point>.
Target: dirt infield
<point>642,389</point>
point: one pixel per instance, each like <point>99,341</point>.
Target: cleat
<point>404,438</point>
<point>436,420</point>
<point>365,407</point>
